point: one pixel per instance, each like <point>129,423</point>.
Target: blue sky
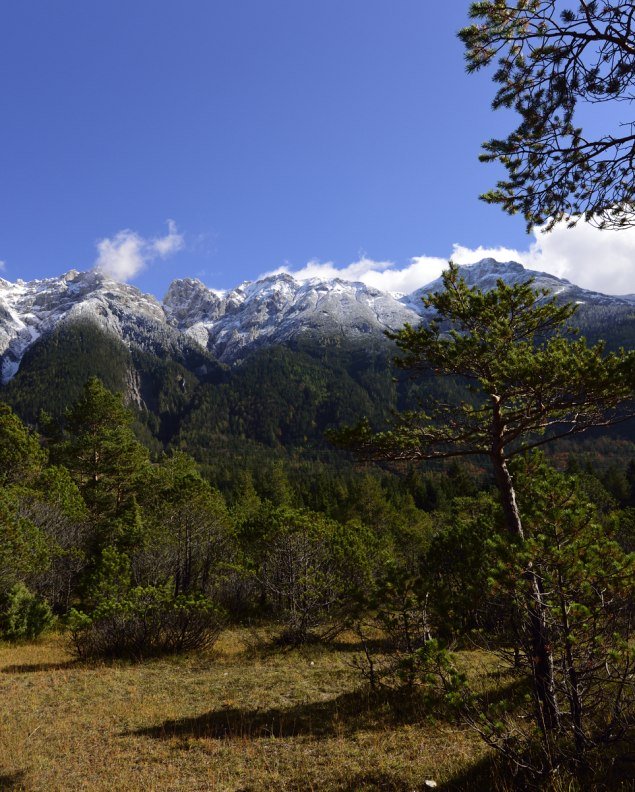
<point>271,134</point>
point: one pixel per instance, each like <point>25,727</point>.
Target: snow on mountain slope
<point>29,310</point>
<point>487,272</point>
<point>272,310</point>
<point>278,308</point>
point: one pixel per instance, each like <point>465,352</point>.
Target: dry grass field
<point>243,717</point>
<point>237,718</point>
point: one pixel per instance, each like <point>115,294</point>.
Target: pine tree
<point>529,385</point>
<point>551,60</point>
<point>100,450</point>
<point>21,457</point>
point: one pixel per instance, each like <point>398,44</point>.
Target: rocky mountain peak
<point>274,309</point>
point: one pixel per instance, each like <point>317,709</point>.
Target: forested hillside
<point>282,397</point>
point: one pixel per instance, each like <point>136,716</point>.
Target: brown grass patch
<point>233,719</point>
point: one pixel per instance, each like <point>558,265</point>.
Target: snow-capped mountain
<point>278,308</point>
<point>488,271</point>
<point>30,310</point>
<point>273,310</point>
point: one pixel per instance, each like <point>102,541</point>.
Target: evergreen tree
<point>21,456</point>
<point>188,530</point>
<point>24,550</point>
<point>100,450</point>
<point>587,580</point>
<point>550,60</point>
<point>529,384</point>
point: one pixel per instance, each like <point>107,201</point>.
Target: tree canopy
<point>552,60</point>
<point>99,448</point>
<point>529,384</point>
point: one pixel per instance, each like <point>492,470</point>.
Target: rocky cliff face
<point>229,324</point>
<point>279,308</point>
<point>30,310</point>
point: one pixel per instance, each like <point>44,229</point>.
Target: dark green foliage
<point>275,405</point>
<point>281,397</point>
<point>396,616</point>
<point>550,60</point>
<point>529,382</point>
<point>23,615</point>
<point>457,566</point>
<point>410,663</point>
<point>100,450</point>
<point>23,546</point>
<point>55,369</point>
<point>308,567</point>
<point>530,385</point>
<point>587,580</point>
<point>21,457</point>
<point>105,522</point>
<point>54,508</point>
<point>56,486</point>
<point>399,650</point>
<point>144,622</point>
<point>614,325</point>
<point>165,387</point>
<point>625,533</point>
<point>188,532</point>
<point>617,483</point>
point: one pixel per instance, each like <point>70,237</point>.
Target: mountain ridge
<point>228,325</point>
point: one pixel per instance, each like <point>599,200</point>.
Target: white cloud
<point>465,255</point>
<point>3,265</point>
<point>384,275</point>
<point>169,244</point>
<point>603,261</point>
<point>127,253</point>
<point>594,259</point>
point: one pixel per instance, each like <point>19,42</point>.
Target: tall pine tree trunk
<point>541,653</point>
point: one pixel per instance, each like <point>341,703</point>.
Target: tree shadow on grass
<point>340,716</point>
<point>373,781</point>
<point>606,774</point>
<point>33,668</point>
<point>13,780</point>
<point>344,714</point>
<point>480,775</point>
<point>476,778</point>
<point>513,690</point>
<point>376,645</point>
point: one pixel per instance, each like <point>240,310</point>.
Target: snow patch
<point>230,322</point>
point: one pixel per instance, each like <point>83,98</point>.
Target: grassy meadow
<point>242,717</point>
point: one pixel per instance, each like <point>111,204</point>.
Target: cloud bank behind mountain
<point>602,261</point>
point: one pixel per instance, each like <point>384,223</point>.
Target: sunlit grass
<point>237,718</point>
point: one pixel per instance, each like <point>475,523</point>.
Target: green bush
<point>399,651</point>
<point>146,621</point>
<point>23,614</point>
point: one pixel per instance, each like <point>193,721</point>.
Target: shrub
<point>23,614</point>
<point>589,618</point>
<point>309,569</point>
<point>146,621</point>
<point>399,652</point>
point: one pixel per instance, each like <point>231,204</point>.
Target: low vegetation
<point>243,717</point>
